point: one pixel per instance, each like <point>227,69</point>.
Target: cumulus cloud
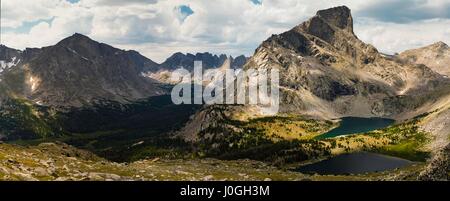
<point>46,32</point>
<point>158,28</point>
<point>394,38</point>
<point>14,13</point>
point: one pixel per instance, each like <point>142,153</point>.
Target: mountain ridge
<point>186,61</point>
<point>436,56</point>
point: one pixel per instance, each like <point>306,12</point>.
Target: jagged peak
<point>340,17</point>
<point>201,54</point>
<point>326,23</point>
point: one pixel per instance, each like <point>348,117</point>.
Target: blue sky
<point>257,2</point>
<point>158,28</point>
<point>184,11</point>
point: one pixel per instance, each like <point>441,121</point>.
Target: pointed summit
<point>77,37</point>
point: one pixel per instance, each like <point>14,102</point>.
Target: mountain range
<point>78,71</point>
<point>209,60</point>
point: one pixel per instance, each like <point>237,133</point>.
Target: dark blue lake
<point>354,163</point>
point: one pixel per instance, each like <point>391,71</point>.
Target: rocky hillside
<point>437,123</point>
<point>436,56</point>
<point>438,168</point>
<point>61,162</point>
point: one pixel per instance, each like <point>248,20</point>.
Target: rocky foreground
<point>61,162</point>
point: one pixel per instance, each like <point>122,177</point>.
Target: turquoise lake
<point>353,125</point>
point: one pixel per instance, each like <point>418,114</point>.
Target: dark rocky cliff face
<point>339,16</point>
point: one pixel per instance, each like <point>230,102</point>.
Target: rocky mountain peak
<point>338,16</point>
<point>82,46</point>
<point>327,36</point>
<point>76,38</point>
<point>327,23</point>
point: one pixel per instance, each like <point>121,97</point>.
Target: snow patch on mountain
<point>7,65</point>
<point>75,52</point>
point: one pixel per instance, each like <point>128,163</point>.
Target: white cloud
<point>391,37</point>
<point>229,26</point>
<point>44,33</point>
<point>14,13</point>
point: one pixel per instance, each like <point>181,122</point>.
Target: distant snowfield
<point>7,65</point>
